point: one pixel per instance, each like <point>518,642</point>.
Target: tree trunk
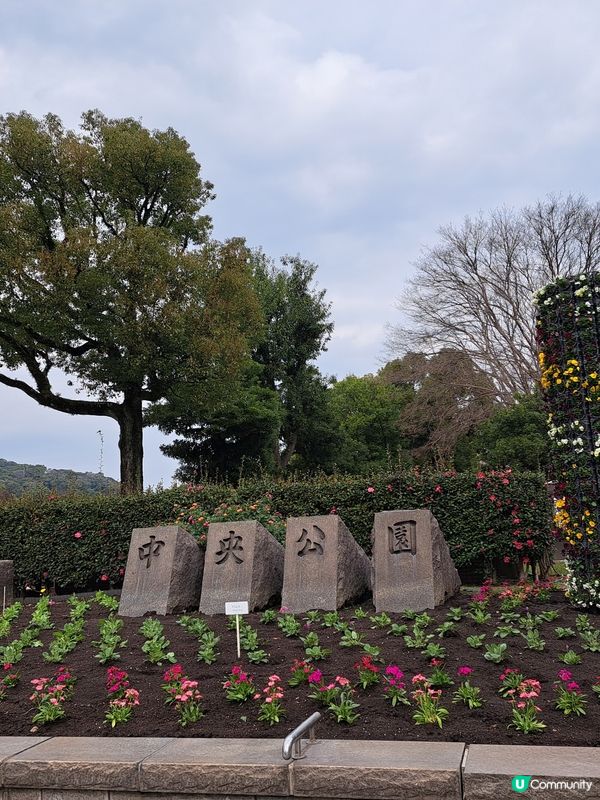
<point>130,443</point>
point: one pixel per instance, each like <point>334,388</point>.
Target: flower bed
<point>487,669</point>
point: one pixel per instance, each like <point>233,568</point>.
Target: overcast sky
<point>341,130</point>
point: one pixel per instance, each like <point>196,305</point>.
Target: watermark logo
<point>520,783</point>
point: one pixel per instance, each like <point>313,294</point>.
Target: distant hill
<point>18,479</point>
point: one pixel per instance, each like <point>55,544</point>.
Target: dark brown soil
<point>488,725</point>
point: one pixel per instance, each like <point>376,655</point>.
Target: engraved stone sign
<point>163,573</point>
<point>412,566</point>
<point>324,565</point>
<point>7,580</point>
<point>243,562</point>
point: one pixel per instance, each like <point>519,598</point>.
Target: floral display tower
<point>568,333</point>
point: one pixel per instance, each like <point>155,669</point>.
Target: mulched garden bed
<point>378,720</point>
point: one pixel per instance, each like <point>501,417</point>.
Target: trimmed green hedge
<point>82,542</point>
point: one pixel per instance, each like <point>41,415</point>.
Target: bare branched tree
<point>472,291</point>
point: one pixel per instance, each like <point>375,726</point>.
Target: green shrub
<point>83,542</point>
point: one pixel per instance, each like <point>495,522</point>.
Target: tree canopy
<point>274,413</point>
<point>472,289</point>
<point>108,274</point>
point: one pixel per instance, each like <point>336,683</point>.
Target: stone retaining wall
<point>79,768</point>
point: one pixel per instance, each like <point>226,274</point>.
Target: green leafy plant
<point>50,694</point>
<point>570,657</point>
<point>495,652</point>
<point>156,646</point>
<point>565,633</point>
<point>271,708</point>
<point>397,630</point>
<point>257,656</point>
<point>122,697</point>
<point>439,678</point>
<point>351,638</point>
<point>382,620</point>
<point>427,700</point>
<point>184,694</point>
<point>446,629</point>
<point>590,640</point>
<point>466,693</point>
<point>502,631</point>
<point>289,625</point>
<point>344,708</point>
<point>475,641</point>
<point>239,685</point>
<point>479,614</point>
<point>534,640</point>
<point>368,672</point>
<point>434,650</point>
<point>455,614</point>
<point>268,617</point>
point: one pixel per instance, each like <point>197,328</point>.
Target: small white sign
<point>240,607</point>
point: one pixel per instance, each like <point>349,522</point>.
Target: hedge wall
<point>80,543</point>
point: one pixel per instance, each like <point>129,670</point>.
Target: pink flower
<point>572,686</point>
<point>438,489</point>
<point>506,559</point>
<point>370,490</point>
<point>565,674</point>
<point>78,535</point>
<point>315,677</point>
<point>342,681</point>
<point>464,671</point>
<point>104,577</point>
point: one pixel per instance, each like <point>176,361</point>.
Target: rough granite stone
<point>217,766</point>
<point>243,562</point>
<point>7,582</point>
<point>74,794</point>
<point>379,770</point>
<point>163,573</point>
<point>80,762</point>
<point>11,745</point>
<point>22,794</point>
<point>412,566</point>
<point>169,795</point>
<point>325,567</point>
<point>489,770</point>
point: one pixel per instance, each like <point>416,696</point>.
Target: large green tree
<point>365,412</point>
<point>275,412</point>
<point>107,273</point>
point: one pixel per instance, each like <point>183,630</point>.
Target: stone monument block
<point>412,566</point>
<point>163,573</point>
<point>325,568</point>
<point>7,582</point>
<point>243,562</point>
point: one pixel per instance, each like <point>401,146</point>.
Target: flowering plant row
<point>568,333</point>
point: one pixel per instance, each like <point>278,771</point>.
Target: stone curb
<point>136,768</point>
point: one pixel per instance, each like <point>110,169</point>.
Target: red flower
<point>370,490</point>
<point>104,577</point>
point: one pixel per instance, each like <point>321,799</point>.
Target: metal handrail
<point>292,744</point>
